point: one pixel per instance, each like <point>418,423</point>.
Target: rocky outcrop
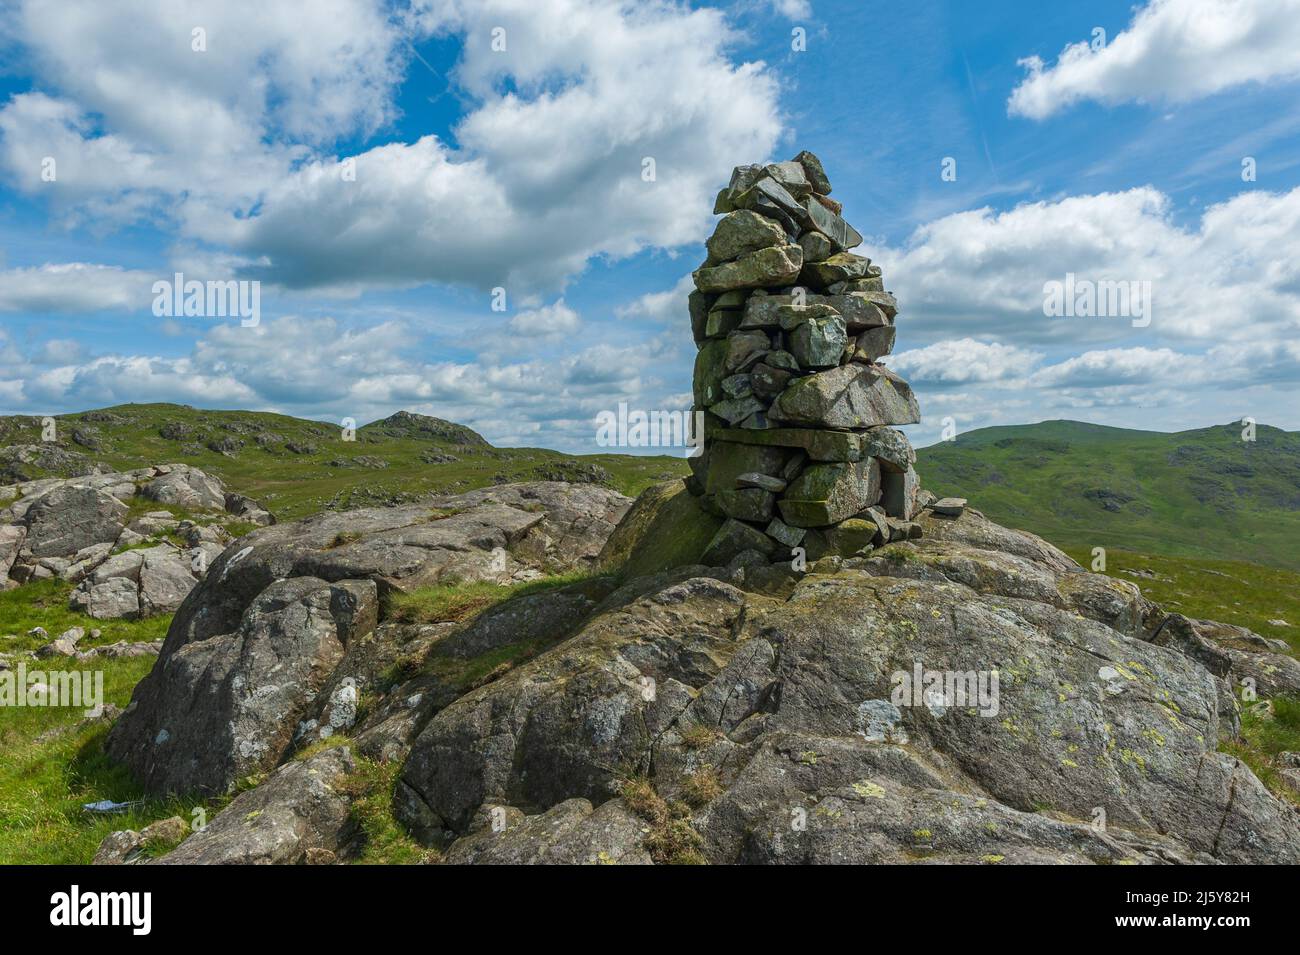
<point>87,530</point>
<point>256,659</point>
<point>971,696</point>
<point>793,713</point>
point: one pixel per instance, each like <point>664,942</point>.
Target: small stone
<point>850,536</point>
<point>780,531</point>
<point>814,173</point>
<point>738,386</point>
<point>744,350</point>
<point>64,645</point>
<point>317,855</point>
<point>765,481</point>
<point>766,381</point>
<point>818,342</point>
<point>721,322</point>
<point>826,494</point>
<point>742,178</point>
<point>791,176</point>
<point>874,343</point>
<point>733,537</point>
<point>169,831</point>
<point>767,191</point>
<point>735,410</point>
<point>828,222</point>
<point>949,506</point>
<point>877,516</point>
<point>816,247</point>
<point>746,503</point>
<point>838,268</point>
<point>891,447</point>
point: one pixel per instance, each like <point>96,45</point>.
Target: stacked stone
<point>791,327</point>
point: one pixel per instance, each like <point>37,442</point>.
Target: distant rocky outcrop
<point>94,532</point>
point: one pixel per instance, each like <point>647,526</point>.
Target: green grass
<point>385,842</point>
<point>53,763</point>
<point>45,604</point>
<point>456,602</point>
<point>1263,738</point>
<point>1235,592</point>
<point>53,760</point>
<point>1204,493</point>
<point>326,475</point>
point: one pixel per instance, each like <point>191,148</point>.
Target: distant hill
<point>1201,493</point>
<point>297,467</point>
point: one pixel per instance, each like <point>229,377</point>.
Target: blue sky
<point>1115,158</point>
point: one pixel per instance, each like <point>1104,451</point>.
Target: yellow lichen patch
<point>1133,758</point>
<point>922,834</point>
<point>1069,762</point>
<point>869,790</point>
<point>1154,736</point>
<point>992,859</point>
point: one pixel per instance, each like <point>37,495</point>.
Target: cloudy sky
<point>382,167</point>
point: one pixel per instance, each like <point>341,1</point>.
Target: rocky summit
<point>791,328</point>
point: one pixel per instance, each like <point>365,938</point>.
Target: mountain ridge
<point>1202,492</point>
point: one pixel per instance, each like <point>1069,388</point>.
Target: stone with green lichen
<point>735,410</point>
<point>741,232</point>
<point>841,267</point>
<point>733,538</point>
<point>850,396</point>
<point>779,530</point>
<point>728,460</point>
<point>721,322</point>
<point>744,350</point>
<point>699,304</point>
<point>890,446</point>
<point>709,372</point>
<point>778,265</point>
<point>816,247</point>
<point>821,445</point>
<point>825,494</point>
<point>746,503</point>
<point>874,343</point>
<point>768,192</point>
<point>818,340</point>
<point>814,172</point>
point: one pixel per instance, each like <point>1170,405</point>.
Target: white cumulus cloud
<point>1174,50</point>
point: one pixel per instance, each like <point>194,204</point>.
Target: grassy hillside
<point>1203,493</point>
<point>296,467</point>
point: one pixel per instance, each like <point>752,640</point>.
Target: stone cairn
<point>791,327</point>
